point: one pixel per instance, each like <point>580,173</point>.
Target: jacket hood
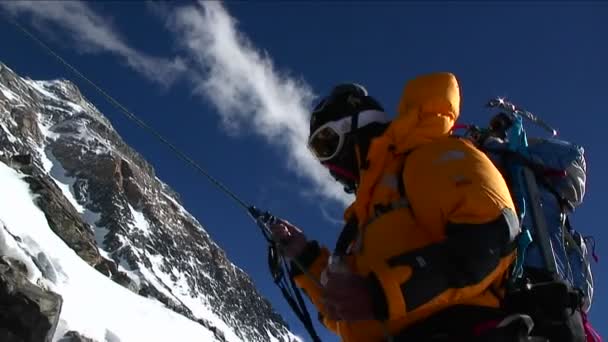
<point>428,109</point>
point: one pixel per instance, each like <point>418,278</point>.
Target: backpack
<point>551,279</point>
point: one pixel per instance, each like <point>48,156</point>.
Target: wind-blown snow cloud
<point>248,91</point>
<point>222,64</point>
<point>93,33</point>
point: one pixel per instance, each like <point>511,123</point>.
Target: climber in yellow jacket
<point>429,239</point>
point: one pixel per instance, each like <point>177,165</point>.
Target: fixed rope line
<point>183,156</point>
<point>253,212</point>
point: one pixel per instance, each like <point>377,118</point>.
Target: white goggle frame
<point>343,126</point>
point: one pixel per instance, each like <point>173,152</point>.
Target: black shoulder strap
<point>347,235</point>
<point>401,180</point>
<point>349,231</point>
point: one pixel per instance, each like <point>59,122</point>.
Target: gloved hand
<point>348,296</point>
<point>291,239</point>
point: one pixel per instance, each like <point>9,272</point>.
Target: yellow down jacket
<point>435,218</point>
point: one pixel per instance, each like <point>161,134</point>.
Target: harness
<point>350,231</point>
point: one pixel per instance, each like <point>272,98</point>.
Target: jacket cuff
<point>308,256</point>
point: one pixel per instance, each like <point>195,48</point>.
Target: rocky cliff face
<point>105,202</point>
<point>28,312</point>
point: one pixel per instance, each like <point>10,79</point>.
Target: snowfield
<point>138,223</point>
<point>93,305</point>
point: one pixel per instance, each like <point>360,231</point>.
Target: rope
<point>297,304</point>
<point>183,156</point>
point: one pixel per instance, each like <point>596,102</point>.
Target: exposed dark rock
<point>27,312</point>
<point>124,280</point>
<point>129,184</point>
<point>20,161</point>
<point>107,267</point>
<point>134,217</point>
<point>8,336</point>
<point>63,218</point>
<point>147,290</point>
<point>216,332</point>
<point>27,123</point>
<point>74,336</point>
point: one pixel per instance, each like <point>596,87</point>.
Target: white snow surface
<point>63,181</point>
<point>10,135</point>
<point>139,220</point>
<point>8,93</point>
<point>93,304</point>
<point>39,87</point>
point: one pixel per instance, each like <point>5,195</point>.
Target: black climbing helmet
<point>332,119</point>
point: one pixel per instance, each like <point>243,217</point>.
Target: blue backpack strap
<point>517,143</point>
<point>525,193</point>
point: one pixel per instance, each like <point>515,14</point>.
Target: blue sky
<point>230,84</point>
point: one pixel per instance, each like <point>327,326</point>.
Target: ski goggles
<point>327,141</point>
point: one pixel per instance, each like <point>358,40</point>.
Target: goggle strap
<point>369,116</point>
<point>354,122</point>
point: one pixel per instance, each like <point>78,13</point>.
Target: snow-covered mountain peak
<point>105,203</point>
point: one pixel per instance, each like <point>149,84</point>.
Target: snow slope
<point>138,233</point>
<point>93,304</point>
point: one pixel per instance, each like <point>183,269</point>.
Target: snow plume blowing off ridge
<point>220,62</point>
<point>93,33</point>
<point>247,90</point>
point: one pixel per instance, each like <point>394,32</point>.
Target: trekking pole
<point>544,239</point>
